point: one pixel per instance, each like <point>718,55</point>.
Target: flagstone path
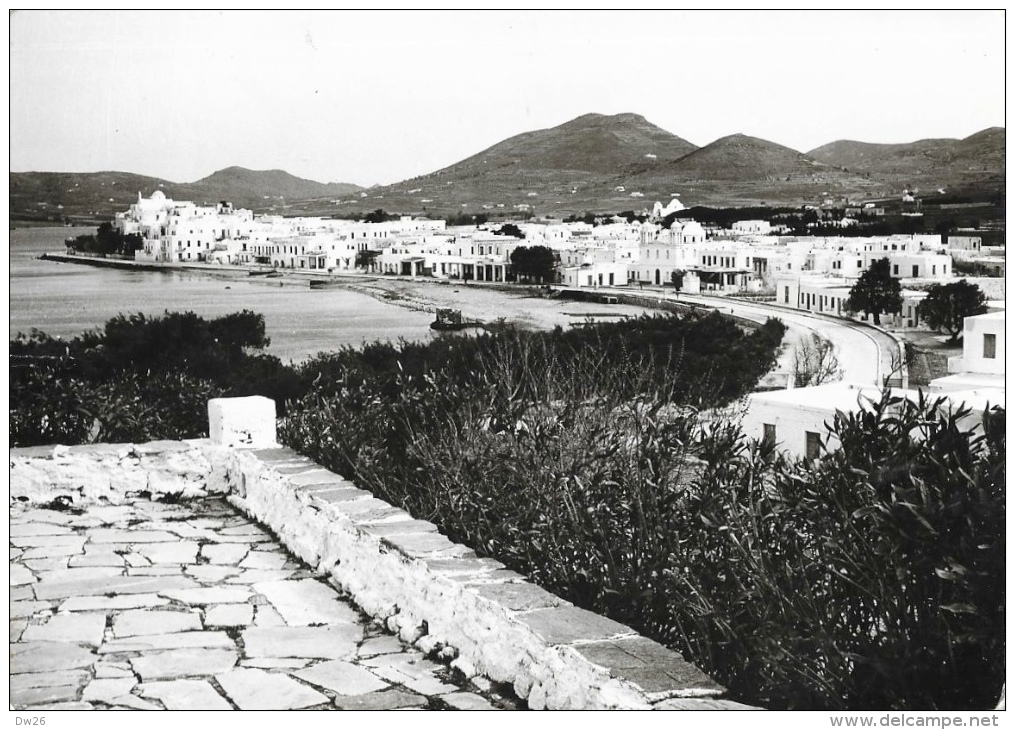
<point>191,606</point>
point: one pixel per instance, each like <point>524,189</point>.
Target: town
<point>752,260</point>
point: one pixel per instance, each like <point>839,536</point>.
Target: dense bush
<point>708,359</point>
<point>52,404</point>
<point>139,378</point>
<point>873,579</point>
<point>107,240</point>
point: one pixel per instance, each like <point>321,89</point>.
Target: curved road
<point>866,355</point>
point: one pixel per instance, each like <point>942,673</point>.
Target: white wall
<point>973,336</point>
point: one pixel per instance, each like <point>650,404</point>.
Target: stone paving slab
<point>392,699</point>
<point>257,689</point>
<point>183,663</point>
<point>185,694</point>
<point>306,602</point>
<point>76,628</point>
<point>195,607</point>
<point>565,624</point>
<point>344,678</point>
<point>154,621</point>
<point>650,665</point>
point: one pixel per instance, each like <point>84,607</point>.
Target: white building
<point>751,227</point>
<point>661,252</point>
<point>797,420</point>
<point>181,231</point>
<point>982,363</point>
<point>595,274</point>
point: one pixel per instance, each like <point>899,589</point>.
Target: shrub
<point>50,405</point>
<point>872,580</point>
<point>139,378</point>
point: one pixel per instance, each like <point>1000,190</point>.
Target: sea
<point>65,300</point>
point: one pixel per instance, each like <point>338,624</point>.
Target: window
<point>895,270</point>
<point>769,437</point>
<point>813,448</point>
<point>916,270</point>
<point>989,347</point>
<point>785,295</point>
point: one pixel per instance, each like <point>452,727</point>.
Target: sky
<point>376,97</point>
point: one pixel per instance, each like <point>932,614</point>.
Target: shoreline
<point>526,306</point>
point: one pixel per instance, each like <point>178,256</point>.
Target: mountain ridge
<point>594,162</point>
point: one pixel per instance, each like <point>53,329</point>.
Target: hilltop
<point>592,143</point>
<point>565,168</point>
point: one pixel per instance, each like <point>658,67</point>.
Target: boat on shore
<point>449,320</point>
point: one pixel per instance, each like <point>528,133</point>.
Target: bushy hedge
<point>872,580</point>
<point>139,378</point>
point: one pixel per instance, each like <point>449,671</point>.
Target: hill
<point>743,170</point>
<point>245,187</point>
<point>87,196</point>
<point>592,143</point>
<point>565,168</point>
<point>743,159</point>
<point>936,163</point>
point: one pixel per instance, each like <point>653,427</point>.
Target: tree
<point>876,292</point>
<point>107,239</point>
<point>534,262</point>
<point>677,277</point>
<point>131,242</point>
<point>815,362</point>
<point>366,259</point>
<point>510,229</point>
<point>379,216</point>
<point>947,305</point>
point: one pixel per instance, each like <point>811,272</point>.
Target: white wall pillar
<point>244,422</point>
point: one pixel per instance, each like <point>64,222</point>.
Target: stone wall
<point>111,473</point>
<point>440,596</point>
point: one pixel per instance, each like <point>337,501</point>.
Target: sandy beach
<point>527,308</point>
